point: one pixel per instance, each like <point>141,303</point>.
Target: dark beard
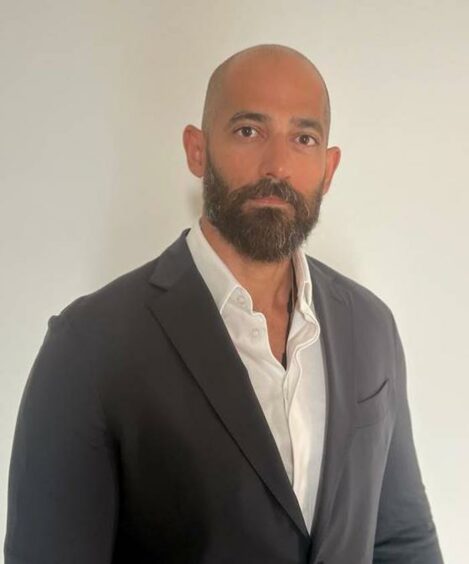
<point>266,234</point>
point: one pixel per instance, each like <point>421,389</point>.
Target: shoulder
<point>364,303</point>
<point>112,314</point>
<point>115,294</point>
<point>118,313</point>
<point>123,301</point>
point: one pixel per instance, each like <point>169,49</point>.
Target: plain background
<point>94,95</point>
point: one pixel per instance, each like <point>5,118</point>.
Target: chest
<point>277,333</point>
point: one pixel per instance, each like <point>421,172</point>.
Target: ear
<point>332,162</point>
<point>194,145</point>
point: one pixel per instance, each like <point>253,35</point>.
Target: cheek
<point>308,174</point>
<point>237,167</point>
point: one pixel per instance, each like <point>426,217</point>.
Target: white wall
<point>93,98</point>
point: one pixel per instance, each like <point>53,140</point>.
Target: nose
<point>275,161</point>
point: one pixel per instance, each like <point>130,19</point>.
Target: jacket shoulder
<point>360,296</point>
<point>127,294</point>
<point>115,307</point>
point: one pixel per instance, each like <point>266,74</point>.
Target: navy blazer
<point>140,439</point>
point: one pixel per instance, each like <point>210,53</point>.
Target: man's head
<point>262,150</point>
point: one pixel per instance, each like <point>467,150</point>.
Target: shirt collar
<point>217,276</point>
<point>221,281</point>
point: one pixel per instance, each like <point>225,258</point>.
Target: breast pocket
<point>373,408</point>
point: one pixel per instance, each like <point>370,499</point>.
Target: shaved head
<point>258,55</point>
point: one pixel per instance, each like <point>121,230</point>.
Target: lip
<point>269,201</point>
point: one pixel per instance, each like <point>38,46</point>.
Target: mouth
<point>269,201</point>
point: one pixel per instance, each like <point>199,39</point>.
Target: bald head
<point>277,56</point>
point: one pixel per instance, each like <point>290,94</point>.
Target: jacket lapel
<point>335,316</point>
<point>190,318</point>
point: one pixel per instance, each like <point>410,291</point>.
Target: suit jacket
<point>140,439</point>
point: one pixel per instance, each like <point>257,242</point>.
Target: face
<point>265,221</point>
<point>265,160</point>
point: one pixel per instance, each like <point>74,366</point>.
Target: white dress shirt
<point>293,400</point>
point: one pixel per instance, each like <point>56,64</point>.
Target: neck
<point>269,284</point>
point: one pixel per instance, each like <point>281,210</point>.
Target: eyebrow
<point>252,116</point>
<point>307,123</point>
<point>302,122</point>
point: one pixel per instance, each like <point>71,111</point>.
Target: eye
<point>307,140</point>
<point>246,131</point>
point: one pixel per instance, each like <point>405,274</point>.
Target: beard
<point>264,233</point>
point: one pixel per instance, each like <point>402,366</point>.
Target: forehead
<point>280,86</point>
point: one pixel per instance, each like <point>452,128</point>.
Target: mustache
<point>266,188</point>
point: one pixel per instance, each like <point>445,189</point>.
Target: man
<point>232,401</point>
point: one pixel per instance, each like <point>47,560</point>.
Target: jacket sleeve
<point>405,531</point>
<point>62,495</point>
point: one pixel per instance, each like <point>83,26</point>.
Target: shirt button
<point>255,333</point>
<point>241,299</point>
